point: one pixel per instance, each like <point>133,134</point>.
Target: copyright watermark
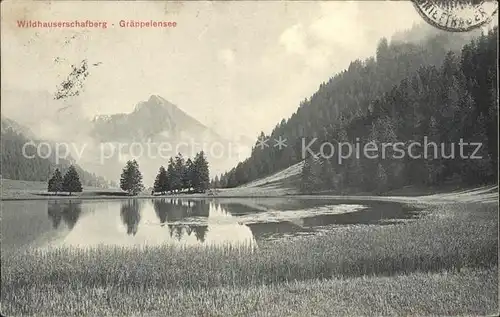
<point>392,150</point>
<point>121,151</point>
<point>340,151</point>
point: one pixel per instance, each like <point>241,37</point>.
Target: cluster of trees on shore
<point>70,183</point>
<point>435,89</point>
<point>180,174</point>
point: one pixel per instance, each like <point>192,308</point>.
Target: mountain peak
<point>157,99</point>
<point>154,116</point>
<point>154,101</point>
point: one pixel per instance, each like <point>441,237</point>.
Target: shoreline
<point>13,190</point>
<point>484,194</point>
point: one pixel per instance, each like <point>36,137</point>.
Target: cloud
<point>226,56</point>
<point>321,40</point>
<point>294,39</point>
<point>340,26</point>
<point>344,31</point>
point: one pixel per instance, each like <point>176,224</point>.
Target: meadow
<point>443,263</point>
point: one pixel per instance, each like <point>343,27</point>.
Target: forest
<point>14,165</point>
<point>444,91</point>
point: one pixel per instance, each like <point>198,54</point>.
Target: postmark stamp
<point>456,15</point>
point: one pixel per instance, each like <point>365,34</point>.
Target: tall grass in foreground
<point>472,292</point>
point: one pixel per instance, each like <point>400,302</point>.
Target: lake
<point>133,222</point>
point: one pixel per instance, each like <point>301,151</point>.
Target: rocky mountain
<point>155,119</point>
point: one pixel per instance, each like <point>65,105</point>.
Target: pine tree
<point>327,174</point>
<point>187,176</point>
<point>161,181</point>
<point>172,177</point>
<point>179,168</point>
<point>71,181</point>
<point>55,182</point>
<point>131,178</point>
<point>201,177</point>
<point>310,180</point>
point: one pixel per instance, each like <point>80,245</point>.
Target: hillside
<point>16,166</point>
<point>441,89</point>
<point>8,124</point>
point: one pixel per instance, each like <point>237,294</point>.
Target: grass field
<point>444,263</point>
<point>21,190</point>
<point>471,292</point>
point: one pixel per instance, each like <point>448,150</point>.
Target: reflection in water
<point>175,212</point>
<point>130,214</point>
<point>200,209</point>
<point>134,222</point>
<point>54,210</point>
<point>200,232</point>
<point>69,211</point>
<point>161,210</point>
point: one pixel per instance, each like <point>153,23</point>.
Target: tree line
<point>183,175</point>
<point>191,175</point>
<point>442,87</point>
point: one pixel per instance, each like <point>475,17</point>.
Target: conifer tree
<point>179,168</point>
<point>310,180</point>
<point>187,177</point>
<point>201,177</point>
<point>172,177</point>
<point>216,182</point>
<point>71,181</point>
<point>161,181</point>
<point>55,182</point>
<point>131,178</point>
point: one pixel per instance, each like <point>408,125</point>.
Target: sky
<point>239,67</point>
